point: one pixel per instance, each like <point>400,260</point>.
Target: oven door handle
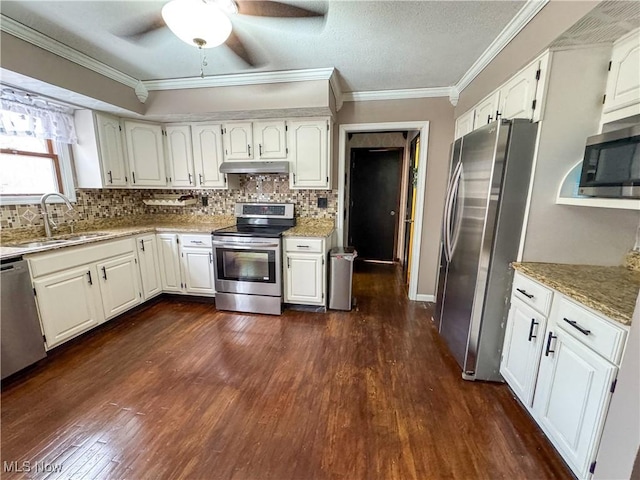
<point>246,246</point>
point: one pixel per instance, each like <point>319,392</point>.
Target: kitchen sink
<point>60,240</point>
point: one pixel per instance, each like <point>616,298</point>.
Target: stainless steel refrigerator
<point>484,212</point>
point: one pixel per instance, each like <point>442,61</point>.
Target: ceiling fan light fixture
<point>198,23</point>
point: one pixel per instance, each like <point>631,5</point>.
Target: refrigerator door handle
<point>458,198</point>
<point>451,195</point>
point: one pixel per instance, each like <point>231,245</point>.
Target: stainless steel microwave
<point>611,165</point>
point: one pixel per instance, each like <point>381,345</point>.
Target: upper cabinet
<point>623,82</point>
<point>309,153</point>
<point>207,155</point>
<point>145,151</point>
<point>99,154</point>
<point>261,140</point>
<point>180,156</point>
<point>238,141</point>
<point>270,139</point>
<point>520,97</point>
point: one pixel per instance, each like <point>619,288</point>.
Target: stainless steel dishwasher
<point>20,334</point>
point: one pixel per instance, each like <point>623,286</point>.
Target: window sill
<point>32,199</point>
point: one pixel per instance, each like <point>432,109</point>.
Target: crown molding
<point>397,94</point>
<point>524,16</point>
<point>336,88</point>
<point>29,35</point>
<point>256,78</point>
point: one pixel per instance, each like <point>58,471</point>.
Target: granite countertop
<point>611,291</point>
<point>110,229</point>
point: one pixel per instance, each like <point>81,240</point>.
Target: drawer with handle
<point>599,334</point>
<point>532,293</point>
<point>196,240</point>
<point>297,244</point>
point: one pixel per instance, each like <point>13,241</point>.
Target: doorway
<point>374,202</point>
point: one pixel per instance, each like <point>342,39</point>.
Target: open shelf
<point>568,194</point>
<point>169,201</point>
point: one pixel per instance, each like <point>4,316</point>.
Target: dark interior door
<point>374,199</point>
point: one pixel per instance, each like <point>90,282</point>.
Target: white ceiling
<point>375,45</point>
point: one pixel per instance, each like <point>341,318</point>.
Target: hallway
<point>180,390</point>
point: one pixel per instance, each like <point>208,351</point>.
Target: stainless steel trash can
<point>341,277</point>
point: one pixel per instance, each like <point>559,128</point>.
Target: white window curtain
<point>47,122</point>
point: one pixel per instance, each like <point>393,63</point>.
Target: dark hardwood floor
<point>180,390</point>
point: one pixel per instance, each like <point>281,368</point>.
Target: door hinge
<point>533,104</point>
<point>120,126</point>
<point>609,67</point>
<point>139,293</point>
<point>221,131</point>
<point>327,179</point>
<point>538,74</point>
<point>135,260</point>
<point>44,338</point>
<point>604,98</point>
<point>35,294</point>
<point>178,240</point>
<point>323,296</point>
<point>592,467</point>
<point>226,152</point>
<point>323,260</point>
<point>286,150</point>
<point>286,127</point>
<point>327,126</point>
<point>613,385</point>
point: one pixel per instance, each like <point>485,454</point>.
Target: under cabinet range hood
<point>254,167</point>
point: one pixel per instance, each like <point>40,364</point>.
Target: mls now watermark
<point>30,467</point>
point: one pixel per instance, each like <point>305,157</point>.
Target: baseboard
<point>421,297</point>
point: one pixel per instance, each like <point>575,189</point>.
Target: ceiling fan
<point>206,23</point>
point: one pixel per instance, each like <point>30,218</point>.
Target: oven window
<point>246,266</point>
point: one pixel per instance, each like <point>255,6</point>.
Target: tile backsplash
<point>96,204</point>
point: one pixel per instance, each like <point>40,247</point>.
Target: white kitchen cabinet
<point>623,82</point>
<point>305,275</point>
<point>464,123</point>
<point>523,341</point>
<point>169,260</point>
<point>149,266</point>
<point>309,153</point>
<point>572,397</point>
<point>145,152</point>
<point>208,155</point>
<point>270,139</point>
<point>180,156</point>
<point>119,285</point>
<point>485,112</point>
<point>69,303</point>
<point>518,94</point>
<point>238,141</point>
<point>197,265</point>
<point>99,154</point>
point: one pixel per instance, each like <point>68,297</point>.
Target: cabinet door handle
<point>533,325</point>
<point>489,118</point>
<point>288,262</point>
<point>498,114</point>
<point>110,176</point>
<point>200,178</point>
<point>524,292</point>
<point>197,242</point>
<point>133,176</point>
<point>260,148</point>
<point>303,246</point>
<point>249,150</point>
<point>210,257</point>
<point>575,325</point>
<point>190,179</point>
<point>104,272</point>
<point>142,245</point>
<point>294,178</point>
<point>89,277</point>
<point>548,350</point>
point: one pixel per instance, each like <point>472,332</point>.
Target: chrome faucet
<point>45,214</point>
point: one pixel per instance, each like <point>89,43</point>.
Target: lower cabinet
<point>81,287</point>
<point>564,372</point>
<point>69,303</point>
<point>186,264</point>
<point>305,278</point>
<point>149,266</point>
<point>119,285</point>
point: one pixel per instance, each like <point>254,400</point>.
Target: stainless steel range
<point>248,258</point>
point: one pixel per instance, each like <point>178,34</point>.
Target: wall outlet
<point>205,201</point>
<point>322,202</point>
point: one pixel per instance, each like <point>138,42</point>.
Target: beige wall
<point>439,113</point>
<point>21,57</point>
<point>552,21</point>
<point>310,94</point>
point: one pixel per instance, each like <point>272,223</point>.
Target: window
<point>30,167</point>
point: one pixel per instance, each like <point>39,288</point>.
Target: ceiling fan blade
<point>237,46</point>
<point>268,8</point>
